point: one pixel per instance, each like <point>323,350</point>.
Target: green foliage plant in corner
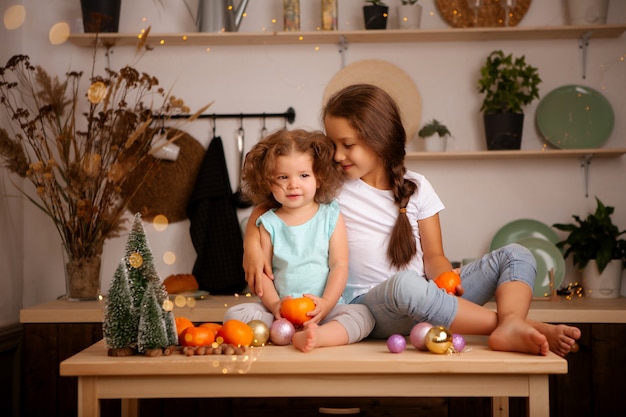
<point>595,237</point>
<point>508,83</point>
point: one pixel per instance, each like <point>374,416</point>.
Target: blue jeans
<point>406,298</point>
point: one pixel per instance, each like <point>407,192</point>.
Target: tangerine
<point>214,327</point>
<point>181,324</point>
<point>295,309</point>
<point>236,333</point>
<point>196,336</point>
<point>448,280</point>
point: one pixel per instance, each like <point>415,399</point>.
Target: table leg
<point>130,407</point>
<point>500,406</point>
<point>88,403</point>
<point>538,395</point>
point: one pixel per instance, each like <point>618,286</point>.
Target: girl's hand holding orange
<point>295,309</point>
<point>449,281</point>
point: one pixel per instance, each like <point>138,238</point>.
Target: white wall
<point>481,196</point>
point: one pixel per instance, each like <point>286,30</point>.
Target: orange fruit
<point>448,281</point>
<point>196,336</point>
<point>181,324</point>
<point>295,309</point>
<point>214,327</point>
<point>236,333</point>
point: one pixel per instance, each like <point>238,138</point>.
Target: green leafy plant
<point>409,2</point>
<point>376,2</point>
<point>508,83</point>
<point>433,127</point>
<point>595,237</point>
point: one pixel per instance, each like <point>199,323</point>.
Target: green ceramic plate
<point>575,117</point>
<point>548,257</point>
<point>521,229</point>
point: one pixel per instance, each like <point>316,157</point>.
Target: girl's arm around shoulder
<point>255,264</point>
<point>269,297</point>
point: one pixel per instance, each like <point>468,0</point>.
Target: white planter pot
<point>435,144</point>
<point>605,285</point>
<point>585,12</point>
<point>409,16</point>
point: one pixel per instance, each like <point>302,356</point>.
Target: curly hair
<point>260,163</point>
<point>375,117</point>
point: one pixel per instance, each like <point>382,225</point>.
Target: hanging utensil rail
<point>289,115</point>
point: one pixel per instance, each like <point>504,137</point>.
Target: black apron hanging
<point>214,230</point>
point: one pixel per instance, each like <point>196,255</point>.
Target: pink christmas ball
<point>458,342</point>
<point>396,343</point>
<point>418,335</point>
<point>281,332</point>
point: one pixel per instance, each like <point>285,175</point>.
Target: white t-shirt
<point>370,215</point>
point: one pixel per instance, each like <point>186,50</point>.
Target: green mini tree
<point>138,314</point>
<point>118,326</point>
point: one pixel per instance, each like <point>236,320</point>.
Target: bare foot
<point>307,339</point>
<point>561,337</point>
<point>516,335</point>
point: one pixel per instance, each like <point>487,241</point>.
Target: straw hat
<point>397,83</point>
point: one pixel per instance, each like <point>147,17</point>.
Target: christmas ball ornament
<point>458,342</point>
<point>135,260</point>
<point>438,339</point>
<point>260,331</point>
<point>281,332</point>
<point>417,336</point>
<point>396,343</point>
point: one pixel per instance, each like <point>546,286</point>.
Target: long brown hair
<point>375,116</point>
<point>260,163</point>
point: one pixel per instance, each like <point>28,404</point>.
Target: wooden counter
<point>560,310</point>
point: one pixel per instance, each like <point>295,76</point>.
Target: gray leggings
<point>407,298</point>
<point>355,318</point>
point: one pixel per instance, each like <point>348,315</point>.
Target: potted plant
<point>375,14</point>
<point>409,14</point>
<point>508,84</point>
<point>435,135</point>
<point>597,249</point>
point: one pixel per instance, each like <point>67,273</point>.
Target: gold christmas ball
<point>438,339</point>
<point>260,331</point>
<point>135,260</point>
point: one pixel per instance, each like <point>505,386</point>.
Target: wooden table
<point>365,369</point>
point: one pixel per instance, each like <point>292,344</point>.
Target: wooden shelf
<point>359,36</point>
<point>523,154</point>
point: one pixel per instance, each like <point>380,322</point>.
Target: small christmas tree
<point>138,314</point>
<point>118,329</point>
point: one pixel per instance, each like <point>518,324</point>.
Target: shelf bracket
<point>583,44</point>
<point>585,161</point>
<point>343,48</point>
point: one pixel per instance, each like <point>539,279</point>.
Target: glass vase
<point>83,277</point>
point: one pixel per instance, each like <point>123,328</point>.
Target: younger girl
<point>396,248</point>
<point>303,236</point>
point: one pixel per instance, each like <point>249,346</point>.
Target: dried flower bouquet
<point>78,154</point>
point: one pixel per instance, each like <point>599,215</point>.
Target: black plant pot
<point>504,131</point>
<point>100,15</point>
<point>375,16</point>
